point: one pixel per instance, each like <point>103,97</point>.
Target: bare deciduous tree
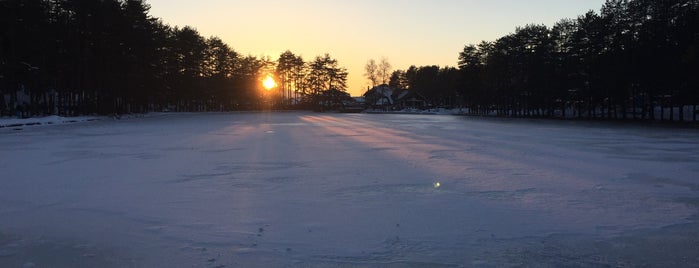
<point>384,71</point>
<point>371,72</point>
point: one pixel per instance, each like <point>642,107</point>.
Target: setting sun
<point>269,83</point>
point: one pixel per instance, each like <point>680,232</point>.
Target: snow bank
<point>48,120</point>
<point>12,122</point>
<point>434,111</point>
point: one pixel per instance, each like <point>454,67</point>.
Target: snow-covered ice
<point>315,190</point>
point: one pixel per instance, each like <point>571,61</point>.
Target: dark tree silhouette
<point>325,74</point>
<point>636,59</point>
<point>73,57</point>
<point>290,69</point>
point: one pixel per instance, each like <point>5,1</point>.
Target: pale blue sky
<point>406,32</point>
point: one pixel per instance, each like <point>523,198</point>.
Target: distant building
<point>388,98</point>
<point>380,96</point>
<point>404,99</point>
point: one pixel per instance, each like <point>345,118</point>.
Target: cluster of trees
<point>111,56</point>
<point>318,84</point>
<point>440,86</point>
<point>377,73</point>
<point>635,59</point>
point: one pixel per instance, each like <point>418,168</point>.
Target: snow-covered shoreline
<point>19,123</point>
<point>9,122</point>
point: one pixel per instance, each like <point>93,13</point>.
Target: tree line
<point>635,59</point>
<point>110,56</point>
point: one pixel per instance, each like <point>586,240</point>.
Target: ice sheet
<point>308,189</point>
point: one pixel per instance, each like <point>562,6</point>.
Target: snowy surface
<point>19,123</point>
<point>318,190</point>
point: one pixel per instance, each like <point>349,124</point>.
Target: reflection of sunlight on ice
<point>419,153</point>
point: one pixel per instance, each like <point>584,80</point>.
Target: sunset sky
<point>407,32</point>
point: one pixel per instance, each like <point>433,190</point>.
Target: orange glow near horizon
<point>269,83</point>
<point>407,33</point>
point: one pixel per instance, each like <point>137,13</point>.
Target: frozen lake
<point>317,190</point>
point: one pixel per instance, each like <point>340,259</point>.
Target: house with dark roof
<point>388,98</point>
<point>380,96</point>
<point>409,99</point>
